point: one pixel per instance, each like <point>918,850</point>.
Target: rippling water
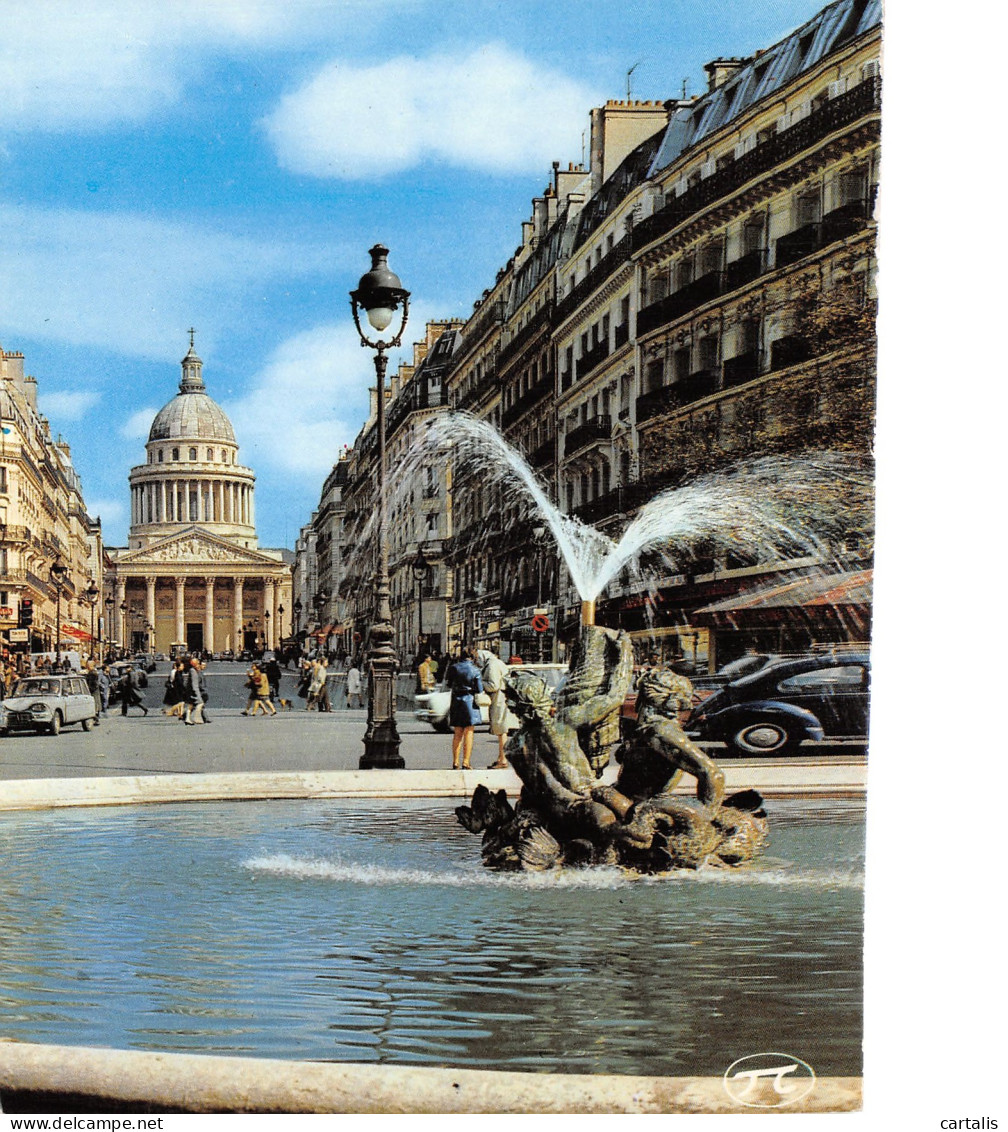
<point>349,931</point>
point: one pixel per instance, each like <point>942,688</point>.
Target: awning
<point>847,595</point>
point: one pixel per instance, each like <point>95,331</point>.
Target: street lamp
<point>280,625</point>
<point>380,294</point>
<point>298,606</point>
<point>539,533</point>
<point>122,609</point>
<point>92,593</point>
<point>266,643</point>
<point>109,606</point>
<point>58,572</point>
<point>420,568</point>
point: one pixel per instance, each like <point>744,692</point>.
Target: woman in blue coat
<point>463,678</point>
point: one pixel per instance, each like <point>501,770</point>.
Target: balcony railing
<point>544,454</point>
<point>621,335</point>
<point>593,358</point>
<point>478,388</point>
<point>745,269</point>
<point>682,392</point>
<point>789,351</point>
<point>540,319</point>
<point>740,369</point>
<point>606,266</point>
<point>796,245</point>
<point>680,302</point>
<point>532,397</point>
<point>598,428</point>
<point>847,108</point>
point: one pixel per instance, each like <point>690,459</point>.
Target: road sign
<point>540,623</point>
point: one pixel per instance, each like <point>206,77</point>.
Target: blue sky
<point>226,166</point>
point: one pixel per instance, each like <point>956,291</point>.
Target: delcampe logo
<point>768,1080</point>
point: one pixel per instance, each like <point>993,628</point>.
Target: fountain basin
<point>352,932</point>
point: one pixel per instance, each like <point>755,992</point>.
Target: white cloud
<point>84,66</point>
<point>67,405</point>
<point>491,109</point>
<point>71,275</point>
<point>137,425</point>
<point>111,511</point>
<point>311,398</point>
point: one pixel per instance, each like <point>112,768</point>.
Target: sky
<point>226,165</point>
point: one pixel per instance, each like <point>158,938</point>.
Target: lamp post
<point>122,609</point>
<point>57,572</point>
<point>92,594</point>
<point>539,534</point>
<point>380,294</point>
<point>420,568</point>
<point>266,642</point>
<point>109,606</point>
<point>280,625</point>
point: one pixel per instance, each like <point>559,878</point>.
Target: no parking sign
<point>540,623</point>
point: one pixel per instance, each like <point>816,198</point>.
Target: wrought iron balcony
<point>593,430</point>
<point>593,358</point>
<point>680,302</point>
<point>796,245</point>
<point>544,454</point>
<point>789,351</point>
<point>682,392</point>
<point>606,266</point>
<point>744,270</point>
<point>740,369</point>
<point>856,103</point>
<point>533,396</point>
<point>621,335</point>
<point>539,320</point>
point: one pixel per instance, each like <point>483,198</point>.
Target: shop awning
<point>845,594</point>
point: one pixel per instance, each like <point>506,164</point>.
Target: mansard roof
<point>764,73</point>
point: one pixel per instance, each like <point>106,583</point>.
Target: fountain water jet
<point>565,815</point>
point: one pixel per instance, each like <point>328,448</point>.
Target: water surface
<point>359,931</point>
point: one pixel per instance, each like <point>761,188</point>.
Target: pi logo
<point>768,1080</point>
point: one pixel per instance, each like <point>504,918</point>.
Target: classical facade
<point>193,573</point>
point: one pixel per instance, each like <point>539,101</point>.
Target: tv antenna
<point>628,74</point>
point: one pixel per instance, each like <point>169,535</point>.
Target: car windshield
<point>36,686</point>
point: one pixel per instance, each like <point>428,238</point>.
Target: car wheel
<point>57,723</point>
<point>764,738</point>
<point>87,724</point>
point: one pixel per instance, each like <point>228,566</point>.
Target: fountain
<point>565,814</point>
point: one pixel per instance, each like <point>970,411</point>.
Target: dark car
<point>772,710</point>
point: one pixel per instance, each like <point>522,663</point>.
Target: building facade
<point>44,525</point>
<point>702,294</point>
<point>193,574</point>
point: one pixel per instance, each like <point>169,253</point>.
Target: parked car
<point>772,710</point>
<point>46,703</point>
<point>146,661</point>
<point>432,707</point>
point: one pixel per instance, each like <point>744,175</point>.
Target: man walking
<point>130,696</point>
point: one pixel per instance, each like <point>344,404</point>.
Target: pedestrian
<point>463,679</point>
<point>426,679</point>
<point>193,694</point>
<point>175,690</point>
<point>128,691</point>
<point>91,675</point>
<point>322,695</point>
<point>272,670</point>
<point>258,687</point>
<point>494,673</point>
<point>353,685</point>
<point>104,688</point>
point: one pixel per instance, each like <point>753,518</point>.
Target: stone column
<point>239,613</point>
<point>151,611</point>
<point>180,631</point>
<point>269,603</point>
<point>208,617</point>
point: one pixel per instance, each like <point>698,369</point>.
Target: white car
<point>46,703</point>
<point>432,707</point>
